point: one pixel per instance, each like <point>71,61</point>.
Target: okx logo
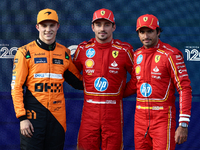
<point>45,87</point>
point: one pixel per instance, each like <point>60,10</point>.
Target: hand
<point>26,128</point>
<point>181,135</point>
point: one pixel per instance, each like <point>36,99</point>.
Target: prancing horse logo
<point>102,12</point>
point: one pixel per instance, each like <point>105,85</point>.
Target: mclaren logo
<point>48,12</point>
<point>102,12</point>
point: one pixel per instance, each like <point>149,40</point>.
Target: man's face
<point>47,31</point>
<point>148,37</point>
<point>103,30</point>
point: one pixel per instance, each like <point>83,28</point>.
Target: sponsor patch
<point>14,73</point>
<point>13,77</point>
<point>16,60</point>
<point>48,75</point>
<point>155,69</point>
<point>14,66</point>
<point>137,70</point>
<point>179,57</point>
<point>146,89</point>
<point>90,53</point>
<point>40,60</point>
<point>101,84</point>
<point>139,59</point>
<point>89,71</point>
<point>114,64</point>
<point>57,61</point>
<point>113,71</point>
<point>89,63</point>
<point>57,102</point>
<point>39,54</point>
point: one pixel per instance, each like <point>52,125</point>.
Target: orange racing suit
<point>104,69</point>
<point>157,72</point>
<point>42,69</point>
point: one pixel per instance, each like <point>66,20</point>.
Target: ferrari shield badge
<point>157,58</point>
<point>102,12</point>
<point>115,53</point>
<point>145,19</point>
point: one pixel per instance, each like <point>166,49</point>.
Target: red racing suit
<point>157,72</point>
<point>104,69</point>
<point>42,69</point>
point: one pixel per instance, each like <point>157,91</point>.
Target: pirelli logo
<point>44,87</point>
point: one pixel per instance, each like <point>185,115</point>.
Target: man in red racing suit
<point>104,64</point>
<point>158,69</point>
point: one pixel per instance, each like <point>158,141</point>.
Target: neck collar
<point>45,46</point>
<point>104,45</point>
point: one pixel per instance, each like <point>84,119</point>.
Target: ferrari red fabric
<point>158,72</point>
<point>104,69</point>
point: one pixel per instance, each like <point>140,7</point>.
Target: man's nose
<point>48,28</point>
<point>102,28</point>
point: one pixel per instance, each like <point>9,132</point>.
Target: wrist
<point>183,124</point>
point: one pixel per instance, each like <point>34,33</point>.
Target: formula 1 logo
<point>101,84</point>
<point>8,53</point>
<point>193,53</point>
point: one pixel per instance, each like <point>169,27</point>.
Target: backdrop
<point>179,19</point>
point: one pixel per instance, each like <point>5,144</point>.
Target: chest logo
<point>156,69</point>
<point>115,54</point>
<point>90,53</point>
<point>114,64</point>
<point>89,63</point>
<point>40,60</point>
<point>139,59</point>
<point>146,89</point>
<point>137,70</point>
<point>157,58</point>
<point>101,84</point>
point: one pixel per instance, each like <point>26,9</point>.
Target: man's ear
<point>114,27</point>
<point>92,26</point>
<point>58,25</point>
<point>37,26</point>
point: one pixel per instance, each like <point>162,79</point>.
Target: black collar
<point>45,46</point>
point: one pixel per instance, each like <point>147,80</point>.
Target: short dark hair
<point>111,22</point>
<point>157,29</point>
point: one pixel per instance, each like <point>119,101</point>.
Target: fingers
<point>27,132</point>
<point>26,128</point>
<point>180,140</point>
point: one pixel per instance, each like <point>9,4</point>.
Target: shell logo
<point>137,70</point>
<point>89,63</point>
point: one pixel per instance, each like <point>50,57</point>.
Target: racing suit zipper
<point>49,79</point>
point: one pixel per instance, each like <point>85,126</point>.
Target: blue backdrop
<point>179,19</point>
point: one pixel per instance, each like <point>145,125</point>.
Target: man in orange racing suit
<point>158,69</point>
<point>104,62</point>
<point>42,66</point>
